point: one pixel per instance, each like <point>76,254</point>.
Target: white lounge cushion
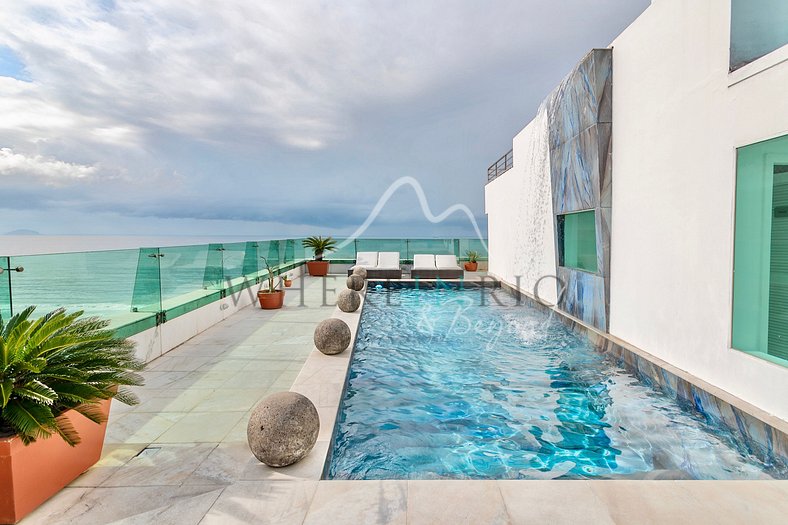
<point>388,261</point>
<point>424,261</point>
<point>446,262</point>
<point>366,260</point>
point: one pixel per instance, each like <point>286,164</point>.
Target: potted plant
<point>58,374</point>
<point>270,298</point>
<point>319,245</point>
<point>473,256</point>
<point>287,280</point>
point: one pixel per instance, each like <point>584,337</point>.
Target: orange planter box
<point>29,475</point>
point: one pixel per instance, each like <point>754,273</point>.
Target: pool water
<point>441,386</point>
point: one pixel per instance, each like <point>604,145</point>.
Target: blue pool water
<point>441,387</point>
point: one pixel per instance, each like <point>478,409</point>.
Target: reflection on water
<point>441,387</point>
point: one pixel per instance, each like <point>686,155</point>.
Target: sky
<point>270,118</point>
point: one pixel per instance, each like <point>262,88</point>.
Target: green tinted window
<point>577,241</point>
<point>760,283</point>
<point>758,27</point>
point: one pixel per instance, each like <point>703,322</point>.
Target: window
<point>577,241</point>
<point>758,27</point>
<point>760,282</point>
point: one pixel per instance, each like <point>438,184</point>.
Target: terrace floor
<point>181,457</point>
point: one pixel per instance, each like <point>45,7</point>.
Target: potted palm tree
<point>270,298</point>
<point>320,245</point>
<point>473,256</point>
<point>58,374</point>
<point>287,280</point>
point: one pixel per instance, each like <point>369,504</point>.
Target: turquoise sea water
<point>441,387</point>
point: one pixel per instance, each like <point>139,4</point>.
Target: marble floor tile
<point>181,362</point>
<point>161,379</point>
<point>368,502</point>
<point>230,400</point>
<point>201,427</point>
<point>135,505</point>
<point>226,363</point>
<point>161,464</point>
<point>54,508</point>
<point>253,379</point>
<point>113,457</point>
<point>141,427</point>
<point>173,400</point>
<point>552,501</point>
<point>741,501</point>
<point>263,502</point>
<point>655,502</point>
<point>206,379</point>
<point>237,434</point>
<point>455,502</point>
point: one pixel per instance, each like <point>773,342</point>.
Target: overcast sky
<point>271,118</point>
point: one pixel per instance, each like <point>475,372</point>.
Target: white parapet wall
<point>678,117</point>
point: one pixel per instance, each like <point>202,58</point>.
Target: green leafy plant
<point>56,363</point>
<point>473,255</point>
<point>271,286</point>
<point>319,245</point>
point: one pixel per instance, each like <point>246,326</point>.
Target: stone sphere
<point>355,282</point>
<point>332,336</point>
<point>283,429</point>
<point>360,271</point>
<point>348,300</point>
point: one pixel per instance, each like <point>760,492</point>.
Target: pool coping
<point>323,379</point>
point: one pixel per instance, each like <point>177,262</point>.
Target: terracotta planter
<point>271,301</point>
<point>471,266</point>
<point>29,475</point>
<point>288,283</point>
<point>317,268</point>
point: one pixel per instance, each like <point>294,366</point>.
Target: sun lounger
<point>379,265</point>
<point>364,260</point>
<point>388,267</point>
<point>424,267</point>
<point>448,267</point>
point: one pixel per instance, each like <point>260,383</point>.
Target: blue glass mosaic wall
<point>580,119</point>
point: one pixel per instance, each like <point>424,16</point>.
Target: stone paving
<point>181,457</point>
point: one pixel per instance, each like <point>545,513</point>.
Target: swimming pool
<point>442,387</point>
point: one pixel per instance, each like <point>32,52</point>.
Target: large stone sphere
<point>332,336</point>
<point>360,271</point>
<point>348,300</point>
<point>355,282</point>
<point>283,429</point>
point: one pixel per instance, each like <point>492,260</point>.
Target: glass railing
<point>138,289</point>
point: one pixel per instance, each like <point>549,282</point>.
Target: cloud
<point>264,110</point>
<point>51,171</point>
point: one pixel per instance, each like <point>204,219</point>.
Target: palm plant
<point>473,255</point>
<point>271,287</point>
<point>320,245</point>
<point>56,363</point>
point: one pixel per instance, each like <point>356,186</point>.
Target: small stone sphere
<point>355,282</point>
<point>362,272</point>
<point>332,336</point>
<point>348,300</point>
<point>283,429</point>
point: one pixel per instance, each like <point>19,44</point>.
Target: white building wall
<point>678,116</point>
<point>676,126</point>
